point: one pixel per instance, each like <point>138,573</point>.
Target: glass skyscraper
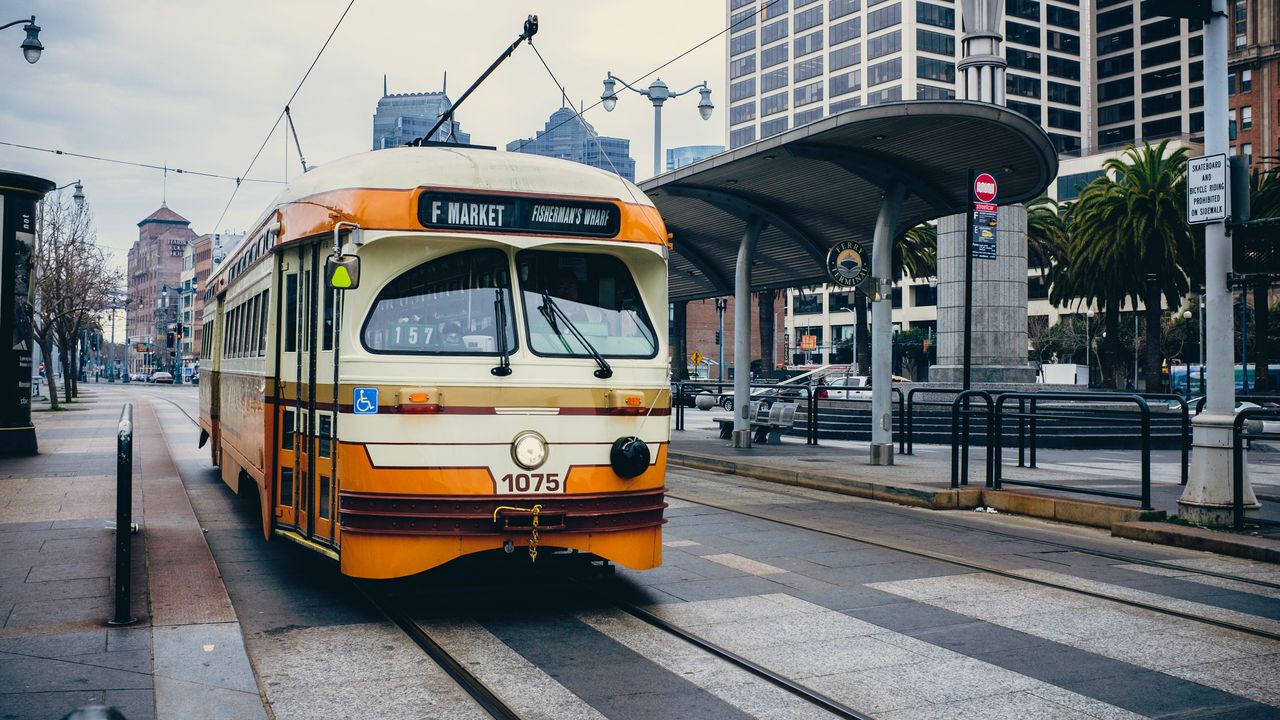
<point>402,118</point>
<point>568,137</point>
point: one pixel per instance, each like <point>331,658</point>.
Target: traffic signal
<point>168,340</point>
<point>717,337</point>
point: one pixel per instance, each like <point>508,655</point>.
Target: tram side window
<point>326,340</point>
<point>290,313</point>
<point>597,294</point>
<point>262,324</point>
<point>286,430</point>
<point>250,337</point>
<point>446,306</point>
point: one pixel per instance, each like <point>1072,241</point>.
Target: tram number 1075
<point>529,483</point>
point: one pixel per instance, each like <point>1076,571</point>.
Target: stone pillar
<point>999,303</point>
<point>999,352</point>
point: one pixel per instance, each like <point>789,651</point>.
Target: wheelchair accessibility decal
<point>366,401</point>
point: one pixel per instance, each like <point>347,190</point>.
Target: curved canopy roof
<point>822,183</point>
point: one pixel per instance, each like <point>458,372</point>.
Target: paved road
<point>861,601</point>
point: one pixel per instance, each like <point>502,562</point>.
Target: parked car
<point>160,376</point>
<point>845,387</point>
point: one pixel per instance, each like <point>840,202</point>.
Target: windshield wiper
<point>551,310</point>
<point>500,312</point>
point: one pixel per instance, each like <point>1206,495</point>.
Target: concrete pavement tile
<point>66,589</point>
<point>1008,706</point>
<point>124,639</point>
<point>209,654</point>
<point>338,654</point>
<point>1251,677</point>
<point>719,589</point>
<point>805,660</point>
<point>69,571</point>
<point>727,610</point>
<point>132,660</point>
<point>865,694</point>
<point>680,543</point>
<point>904,616</point>
<point>787,630</point>
<point>25,706</point>
<point>1100,621</point>
<point>23,527</point>
<point>36,675</point>
<point>48,612</point>
<point>743,564</point>
<point>1087,705</point>
<point>765,702</point>
<point>133,704</point>
<point>956,678</point>
<point>196,701</point>
<point>1160,650</point>
<point>59,645</point>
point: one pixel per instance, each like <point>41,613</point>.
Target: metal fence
<point>1250,424</point>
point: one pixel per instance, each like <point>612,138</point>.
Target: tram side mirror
<point>342,272</point>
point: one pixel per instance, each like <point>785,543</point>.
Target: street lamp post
<point>658,93</point>
<point>1088,344</point>
<point>1186,316</point>
<point>31,45</point>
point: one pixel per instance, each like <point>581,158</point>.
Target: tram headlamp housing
<point>629,457</point>
<point>529,450</point>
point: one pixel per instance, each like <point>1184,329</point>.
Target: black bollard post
<point>124,516</point>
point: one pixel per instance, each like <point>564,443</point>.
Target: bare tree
<point>73,282</point>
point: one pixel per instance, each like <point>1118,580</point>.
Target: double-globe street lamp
<point>31,45</point>
<point>658,93</point>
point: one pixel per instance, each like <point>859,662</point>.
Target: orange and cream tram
<point>421,353</point>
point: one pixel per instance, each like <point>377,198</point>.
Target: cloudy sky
<point>198,85</point>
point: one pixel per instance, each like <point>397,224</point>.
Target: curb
<point>1076,512</point>
<point>1194,538</point>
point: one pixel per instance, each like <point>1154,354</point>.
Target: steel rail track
<point>983,567</point>
<point>467,680</point>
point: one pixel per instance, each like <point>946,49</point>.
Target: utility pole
<point>1208,495</point>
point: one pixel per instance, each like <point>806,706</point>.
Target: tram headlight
<point>529,450</point>
<point>629,457</point>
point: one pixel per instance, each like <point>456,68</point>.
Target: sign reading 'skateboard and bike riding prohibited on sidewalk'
<point>1207,190</point>
<point>984,217</point>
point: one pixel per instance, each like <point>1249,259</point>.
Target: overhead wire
<point>659,68</point>
<point>281,114</point>
<point>132,163</point>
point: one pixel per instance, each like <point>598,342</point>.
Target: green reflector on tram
<point>343,273</point>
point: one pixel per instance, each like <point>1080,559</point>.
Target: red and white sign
<point>984,188</point>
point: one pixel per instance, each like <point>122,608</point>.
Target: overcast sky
<point>198,85</point>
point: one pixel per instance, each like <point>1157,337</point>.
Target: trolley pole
<point>1207,498</point>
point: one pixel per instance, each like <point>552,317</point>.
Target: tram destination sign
<point>1207,189</point>
<point>518,214</point>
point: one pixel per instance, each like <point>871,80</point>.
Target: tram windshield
<point>598,296</point>
<point>447,306</point>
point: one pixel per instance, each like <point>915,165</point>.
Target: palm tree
<point>1046,232</point>
<point>1129,231</point>
<point>1264,202</point>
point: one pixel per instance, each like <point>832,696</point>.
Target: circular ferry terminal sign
<point>846,263</point>
<point>984,188</point>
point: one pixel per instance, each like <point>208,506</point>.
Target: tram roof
<point>822,183</point>
<point>464,168</point>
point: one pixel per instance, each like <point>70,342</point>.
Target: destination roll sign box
<point>518,214</point>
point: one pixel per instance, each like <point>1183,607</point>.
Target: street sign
<point>808,342</point>
<point>696,358</point>
<point>983,230</point>
<point>984,188</point>
<point>1207,191</point>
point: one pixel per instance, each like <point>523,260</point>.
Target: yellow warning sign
<point>696,358</point>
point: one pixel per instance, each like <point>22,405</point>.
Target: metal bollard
<point>124,516</point>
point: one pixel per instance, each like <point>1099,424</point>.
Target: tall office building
<point>568,137</point>
<point>155,269</point>
<point>1095,75</point>
<point>1253,78</point>
<point>678,157</point>
<point>404,117</point>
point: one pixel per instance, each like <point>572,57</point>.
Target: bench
<point>767,425</point>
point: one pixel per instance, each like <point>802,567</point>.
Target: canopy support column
<point>742,333</point>
<point>882,326</point>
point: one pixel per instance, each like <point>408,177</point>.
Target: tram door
<point>304,490</point>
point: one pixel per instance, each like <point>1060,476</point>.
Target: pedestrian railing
<point>961,411</point>
<point>1257,398</point>
<point>995,428</point>
<point>1250,424</point>
<point>124,517</point>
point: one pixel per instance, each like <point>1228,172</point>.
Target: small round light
<point>529,450</point>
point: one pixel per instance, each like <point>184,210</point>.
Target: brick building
<point>702,321</point>
<point>1253,76</point>
<point>155,265</point>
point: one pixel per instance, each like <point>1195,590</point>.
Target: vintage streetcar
<point>426,352</point>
